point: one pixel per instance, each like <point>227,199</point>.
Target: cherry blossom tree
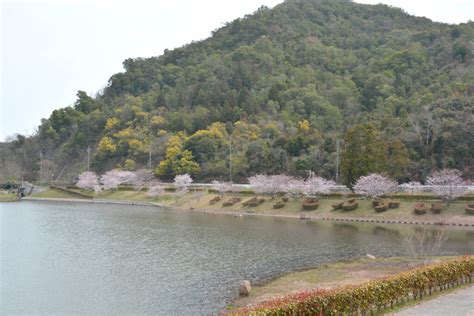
<point>374,185</point>
<point>141,178</point>
<point>155,189</point>
<point>412,186</point>
<point>182,182</point>
<point>295,188</point>
<point>88,180</point>
<point>221,187</point>
<point>447,184</point>
<point>272,184</point>
<point>315,186</point>
<point>113,178</point>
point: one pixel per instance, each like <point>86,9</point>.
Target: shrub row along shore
<point>373,296</point>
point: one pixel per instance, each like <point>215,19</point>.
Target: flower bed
<point>255,201</point>
<point>436,208</point>
<point>470,209</point>
<point>231,202</point>
<point>376,202</point>
<point>394,204</point>
<point>350,205</point>
<point>278,205</point>
<point>381,207</point>
<point>214,200</point>
<point>337,206</point>
<point>310,204</point>
<point>374,295</point>
<point>420,209</point>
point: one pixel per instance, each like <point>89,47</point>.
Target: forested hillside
<point>282,85</point>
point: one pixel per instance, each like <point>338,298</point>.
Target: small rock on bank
<point>244,288</point>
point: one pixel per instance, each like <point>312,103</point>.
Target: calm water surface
<point>110,259</point>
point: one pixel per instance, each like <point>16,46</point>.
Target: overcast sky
<point>52,48</point>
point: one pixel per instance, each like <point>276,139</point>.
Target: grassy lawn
<point>454,212</point>
<point>116,195</point>
<point>332,275</point>
<point>54,194</point>
<point>4,197</point>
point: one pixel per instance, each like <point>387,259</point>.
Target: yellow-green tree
<point>177,160</point>
<point>107,146</point>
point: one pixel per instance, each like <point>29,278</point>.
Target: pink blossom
<point>374,185</point>
<point>272,184</point>
<point>221,187</point>
<point>315,186</point>
<point>447,184</point>
<point>295,187</point>
<point>141,178</point>
<point>87,180</point>
<point>113,178</point>
<point>182,182</point>
<point>412,186</point>
<point>155,189</point>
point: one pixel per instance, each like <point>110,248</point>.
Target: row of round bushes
<point>377,294</point>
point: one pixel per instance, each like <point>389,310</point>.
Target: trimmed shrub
<point>285,199</point>
<point>125,188</point>
<point>247,192</point>
<point>214,200</point>
<point>278,205</point>
<point>253,202</point>
<point>231,202</point>
<point>394,204</point>
<point>436,208</point>
<point>170,189</point>
<point>420,208</point>
<point>310,204</point>
<point>337,206</point>
<point>350,205</point>
<point>376,202</point>
<point>381,207</point>
<point>470,208</point>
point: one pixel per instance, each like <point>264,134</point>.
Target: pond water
<point>111,259</point>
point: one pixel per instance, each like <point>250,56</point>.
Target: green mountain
<point>283,85</point>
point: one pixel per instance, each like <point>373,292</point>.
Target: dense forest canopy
<point>280,87</point>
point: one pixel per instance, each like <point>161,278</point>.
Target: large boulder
<point>244,288</point>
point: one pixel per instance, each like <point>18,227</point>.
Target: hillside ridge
<point>283,85</point>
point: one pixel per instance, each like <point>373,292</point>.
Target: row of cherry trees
<point>141,179</point>
<point>447,184</point>
<point>273,184</point>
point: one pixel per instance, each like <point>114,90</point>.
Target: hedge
<point>374,295</point>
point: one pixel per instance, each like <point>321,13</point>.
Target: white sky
<point>52,48</point>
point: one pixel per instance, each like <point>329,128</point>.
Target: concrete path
<point>457,303</point>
